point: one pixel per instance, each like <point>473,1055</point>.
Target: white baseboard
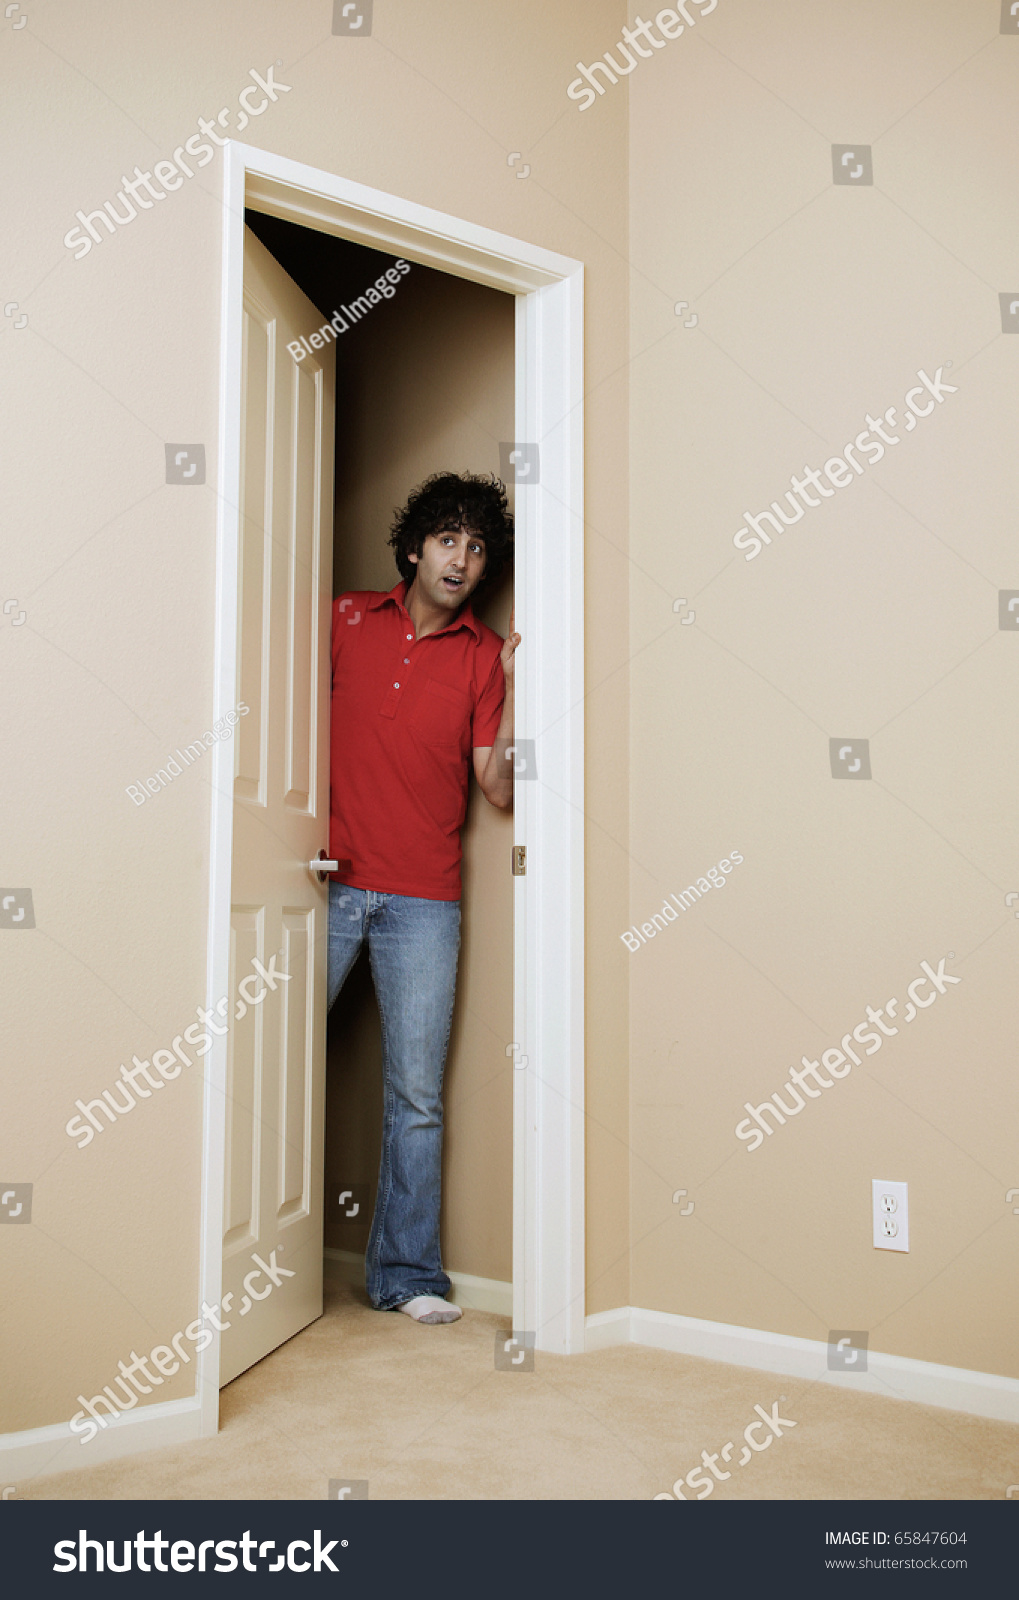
<point>468,1292</point>
<point>482,1294</point>
<point>41,1452</point>
<point>982,1394</point>
<point>607,1328</point>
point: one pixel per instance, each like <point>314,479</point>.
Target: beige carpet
<point>421,1413</point>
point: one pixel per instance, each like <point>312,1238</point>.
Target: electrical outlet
<point>891,1215</point>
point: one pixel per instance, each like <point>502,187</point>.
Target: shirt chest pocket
<point>441,714</point>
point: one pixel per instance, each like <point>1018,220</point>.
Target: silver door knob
<point>322,866</point>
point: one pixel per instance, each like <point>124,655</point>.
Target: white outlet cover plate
<point>890,1200</point>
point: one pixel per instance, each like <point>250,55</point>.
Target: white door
<point>273,1213</point>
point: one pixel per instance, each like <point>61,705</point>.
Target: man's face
<point>450,566</point>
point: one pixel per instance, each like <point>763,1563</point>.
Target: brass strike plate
<point>519,860</point>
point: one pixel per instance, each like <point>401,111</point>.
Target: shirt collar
<point>464,618</point>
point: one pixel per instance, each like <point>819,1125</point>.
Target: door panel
<point>276,1044</point>
<point>258,383</point>
<point>297,1080</point>
<point>240,1221</point>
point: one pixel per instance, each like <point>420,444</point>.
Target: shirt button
<point>406,661</point>
<point>396,685</point>
<point>410,636</point>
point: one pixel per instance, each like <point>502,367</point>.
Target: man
<point>420,688</point>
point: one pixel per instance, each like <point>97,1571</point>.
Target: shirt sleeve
<point>488,710</point>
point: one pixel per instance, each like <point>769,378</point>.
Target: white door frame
<point>548,1101</point>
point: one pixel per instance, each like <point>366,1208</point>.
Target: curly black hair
<point>448,500</point>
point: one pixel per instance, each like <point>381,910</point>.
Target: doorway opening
<point>424,382</point>
<point>546,1040</point>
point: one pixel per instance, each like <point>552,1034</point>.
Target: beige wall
<point>875,617</point>
<point>113,666</point>
<point>423,385</point>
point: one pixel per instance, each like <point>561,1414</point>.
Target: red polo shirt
<point>406,714</point>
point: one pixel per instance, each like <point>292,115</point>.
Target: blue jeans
<point>413,945</point>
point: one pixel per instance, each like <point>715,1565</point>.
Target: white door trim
<point>548,1140</point>
<point>926,1383</point>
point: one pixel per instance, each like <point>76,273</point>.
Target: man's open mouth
<point>453,583</point>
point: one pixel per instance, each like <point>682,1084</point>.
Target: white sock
<point>429,1308</point>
